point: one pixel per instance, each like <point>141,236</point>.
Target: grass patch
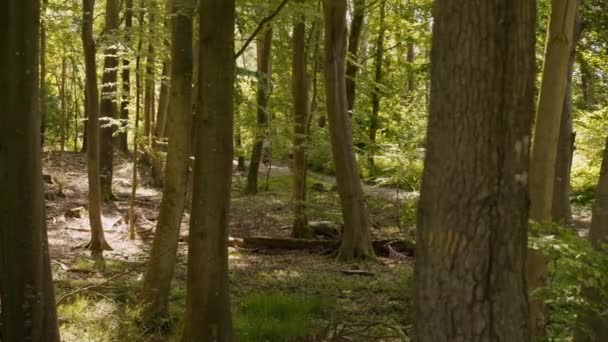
<point>278,317</point>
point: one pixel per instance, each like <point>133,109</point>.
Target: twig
<point>260,27</point>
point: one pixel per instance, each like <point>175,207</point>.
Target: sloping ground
<point>368,307</point>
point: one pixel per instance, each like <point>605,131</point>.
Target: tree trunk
<point>107,106</point>
<point>122,140</point>
<point>590,326</point>
<point>63,110</point>
<point>356,240</point>
<point>28,302</point>
<point>98,241</point>
<point>561,211</point>
<point>264,46</point>
<point>149,82</point>
<point>374,123</point>
<point>208,314</point>
<point>43,96</point>
<point>352,62</point>
<point>544,147</point>
<point>473,214</point>
<point>301,108</point>
<point>159,129</point>
<point>587,83</point>
<point>157,282</point>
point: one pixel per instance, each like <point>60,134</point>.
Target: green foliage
<point>576,269</point>
<point>279,317</point>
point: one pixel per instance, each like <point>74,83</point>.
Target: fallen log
<point>385,248</point>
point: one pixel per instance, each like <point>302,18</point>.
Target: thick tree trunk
<point>544,147</point>
<point>356,240</point>
<point>122,139</point>
<point>208,314</point>
<point>374,123</point>
<point>107,107</point>
<point>157,281</point>
<point>301,113</point>
<point>264,46</point>
<point>352,63</point>
<point>98,241</point>
<point>561,211</point>
<point>473,214</point>
<point>26,289</point>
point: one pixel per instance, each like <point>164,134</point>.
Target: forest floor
<point>277,295</point>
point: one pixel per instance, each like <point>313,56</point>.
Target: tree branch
<point>260,27</point>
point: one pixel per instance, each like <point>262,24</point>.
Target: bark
<point>28,302</point>
<point>264,46</point>
<point>43,96</point>
<point>157,281</point>
<point>374,123</point>
<point>590,326</point>
<point>544,148</point>
<point>98,243</point>
<point>352,62</point>
<point>301,113</point>
<point>208,314</point>
<point>473,214</point>
<point>160,128</point>
<point>122,140</point>
<point>356,241</point>
<point>108,110</point>
<point>561,211</point>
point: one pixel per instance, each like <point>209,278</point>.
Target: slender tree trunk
<point>591,327</point>
<point>64,108</point>
<point>473,214</point>
<point>98,241</point>
<point>356,240</point>
<point>411,53</point>
<point>157,282</point>
<point>159,129</point>
<point>264,46</point>
<point>108,110</point>
<point>352,62</point>
<point>544,147</point>
<point>149,82</point>
<point>122,140</point>
<point>28,302</point>
<point>587,83</point>
<point>208,314</point>
<point>561,210</point>
<point>374,123</point>
<point>43,96</point>
<point>301,109</point>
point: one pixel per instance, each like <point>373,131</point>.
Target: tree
<point>356,239</point>
<point>301,114</point>
<point>98,243</point>
<point>28,302</point>
<point>121,141</point>
<point>544,146</point>
<point>264,46</point>
<point>352,62</point>
<point>374,119</point>
<point>208,314</point>
<point>472,215</point>
<point>107,107</point>
<point>43,97</point>
<point>161,266</point>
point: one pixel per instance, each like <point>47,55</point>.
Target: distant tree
<point>98,243</point>
<point>208,314</point>
<point>473,211</point>
<point>356,240</point>
<point>352,62</point>
<point>374,122</point>
<point>26,288</point>
<point>159,273</point>
<point>121,141</point>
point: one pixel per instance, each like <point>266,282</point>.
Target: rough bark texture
<point>208,314</point>
<point>374,123</point>
<point>473,214</point>
<point>301,108</point>
<point>98,241</point>
<point>352,63</point>
<point>107,107</point>
<point>356,241</point>
<point>161,267</point>
<point>544,147</point>
<point>264,46</point>
<point>592,328</point>
<point>121,140</point>
<point>28,302</point>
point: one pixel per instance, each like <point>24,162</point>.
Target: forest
<point>303,170</point>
